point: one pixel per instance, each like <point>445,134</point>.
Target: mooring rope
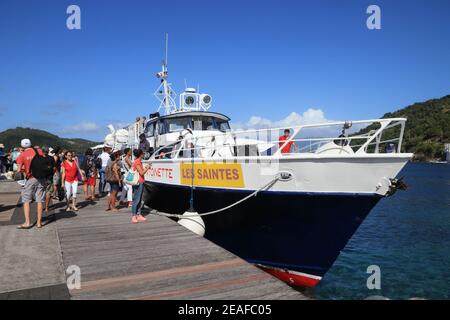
<point>180,216</point>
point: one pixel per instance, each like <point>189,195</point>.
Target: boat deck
<point>158,259</point>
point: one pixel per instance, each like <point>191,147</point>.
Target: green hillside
<point>12,137</point>
<point>427,128</point>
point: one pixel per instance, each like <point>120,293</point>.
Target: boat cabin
<point>164,130</point>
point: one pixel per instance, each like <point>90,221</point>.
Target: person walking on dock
<point>90,171</point>
<point>14,155</point>
<point>49,184</point>
<point>2,158</point>
<point>34,187</point>
<point>127,190</point>
<point>114,178</point>
<point>105,157</point>
<point>55,153</point>
<point>138,189</point>
<point>69,177</point>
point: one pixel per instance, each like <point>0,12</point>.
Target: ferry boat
<point>289,213</point>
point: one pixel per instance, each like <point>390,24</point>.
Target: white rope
<point>179,216</point>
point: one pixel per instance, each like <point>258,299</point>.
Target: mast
<point>165,94</point>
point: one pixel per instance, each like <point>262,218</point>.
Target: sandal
<point>24,227</point>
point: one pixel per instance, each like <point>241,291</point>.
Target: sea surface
<point>407,236</point>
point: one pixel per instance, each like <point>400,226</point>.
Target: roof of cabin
<point>193,114</point>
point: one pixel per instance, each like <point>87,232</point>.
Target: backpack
<point>84,165</point>
<point>87,165</point>
<point>42,166</point>
<point>98,162</point>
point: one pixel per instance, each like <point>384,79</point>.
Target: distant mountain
<point>12,137</point>
<point>427,128</point>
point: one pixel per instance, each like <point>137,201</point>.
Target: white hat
<point>25,143</point>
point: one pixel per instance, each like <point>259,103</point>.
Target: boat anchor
<point>396,184</point>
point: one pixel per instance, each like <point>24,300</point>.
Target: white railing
<point>265,142</point>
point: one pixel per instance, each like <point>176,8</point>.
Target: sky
<point>263,62</point>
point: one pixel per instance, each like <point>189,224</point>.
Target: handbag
<point>61,194</point>
<point>110,177</point>
<point>132,177</point>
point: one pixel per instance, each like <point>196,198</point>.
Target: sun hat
<point>25,143</point>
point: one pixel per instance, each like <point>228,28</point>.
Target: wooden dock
<point>157,259</point>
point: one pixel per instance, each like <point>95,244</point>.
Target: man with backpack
<point>37,168</point>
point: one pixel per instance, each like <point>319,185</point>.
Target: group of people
<point>114,166</point>
<point>8,158</point>
<point>55,174</point>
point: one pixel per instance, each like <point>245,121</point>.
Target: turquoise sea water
<point>407,236</point>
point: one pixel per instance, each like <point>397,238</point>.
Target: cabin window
<point>178,124</point>
<point>222,125</point>
<point>161,127</point>
<point>204,123</point>
<point>150,129</point>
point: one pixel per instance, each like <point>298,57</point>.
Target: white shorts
<point>71,189</point>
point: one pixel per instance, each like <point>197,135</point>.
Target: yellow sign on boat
<point>212,174</point>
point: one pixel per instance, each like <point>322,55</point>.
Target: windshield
<point>201,123</point>
<point>150,129</point>
<point>223,125</point>
<point>204,123</point>
<point>178,124</point>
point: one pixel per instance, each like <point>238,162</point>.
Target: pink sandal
<point>140,218</point>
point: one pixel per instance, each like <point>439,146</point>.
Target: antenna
<point>165,94</point>
<point>167,48</point>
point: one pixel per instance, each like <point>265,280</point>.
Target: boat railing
<point>368,136</point>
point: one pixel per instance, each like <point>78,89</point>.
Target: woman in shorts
<point>90,170</point>
<point>114,178</point>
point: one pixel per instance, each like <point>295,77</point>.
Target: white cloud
<point>84,126</point>
<point>310,116</point>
